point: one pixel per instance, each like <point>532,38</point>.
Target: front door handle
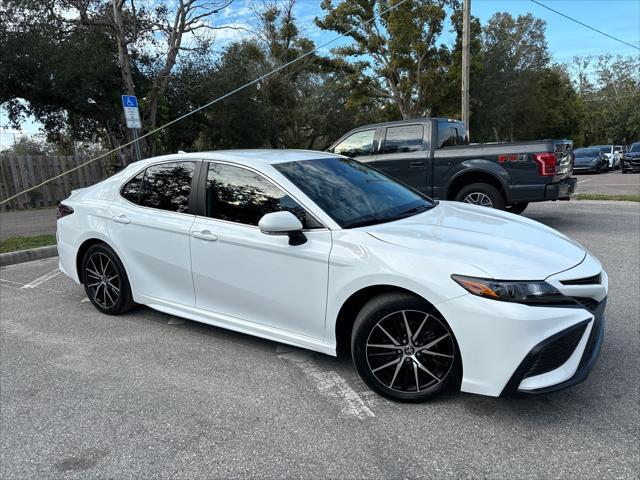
<point>205,235</point>
<point>121,219</point>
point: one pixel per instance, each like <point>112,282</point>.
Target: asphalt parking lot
<point>84,395</point>
<point>609,183</point>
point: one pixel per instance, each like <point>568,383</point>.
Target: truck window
<point>405,138</point>
<point>357,144</point>
<point>451,134</point>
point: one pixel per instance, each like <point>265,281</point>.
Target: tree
<point>142,43</point>
<point>394,57</point>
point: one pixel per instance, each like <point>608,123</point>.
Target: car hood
<point>584,160</point>
<point>503,245</point>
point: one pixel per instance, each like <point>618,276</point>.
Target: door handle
<point>205,235</point>
<point>121,219</point>
<point>417,164</point>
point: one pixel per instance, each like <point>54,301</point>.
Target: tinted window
<point>635,147</point>
<point>167,186</point>
<point>451,134</point>
<point>239,195</point>
<point>606,149</point>
<point>352,193</point>
<point>131,190</point>
<point>360,143</point>
<point>587,152</point>
<point>403,139</point>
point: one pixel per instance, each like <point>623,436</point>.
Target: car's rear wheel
<point>481,194</point>
<point>403,349</point>
<point>517,208</point>
<point>105,280</point>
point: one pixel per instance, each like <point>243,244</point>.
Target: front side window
<point>236,194</point>
<point>167,186</point>
<point>407,138</point>
<point>357,144</point>
<point>352,193</point>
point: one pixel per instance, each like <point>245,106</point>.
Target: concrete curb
<point>22,256</point>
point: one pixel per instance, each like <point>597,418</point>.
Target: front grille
<point>588,303</point>
<point>556,353</point>
<point>595,280</point>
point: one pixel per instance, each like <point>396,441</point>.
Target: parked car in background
<point>590,160</point>
<point>323,252</point>
<point>631,159</point>
<point>613,154</point>
<point>433,155</point>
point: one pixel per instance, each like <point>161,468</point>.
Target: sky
<point>565,39</point>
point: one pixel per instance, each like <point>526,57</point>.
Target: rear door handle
<point>417,164</point>
<point>205,235</point>
<point>121,219</point>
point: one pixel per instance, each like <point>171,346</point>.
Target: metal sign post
<point>132,116</point>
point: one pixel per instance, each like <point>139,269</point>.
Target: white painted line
<point>84,300</point>
<point>330,384</point>
<point>583,181</point>
<point>42,279</point>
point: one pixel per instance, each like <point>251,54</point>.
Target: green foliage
<point>13,244</point>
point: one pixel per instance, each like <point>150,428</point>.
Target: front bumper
<point>500,342</point>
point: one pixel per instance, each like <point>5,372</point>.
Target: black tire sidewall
<point>371,313</point>
<point>492,192</point>
<point>518,208</point>
<point>125,299</point>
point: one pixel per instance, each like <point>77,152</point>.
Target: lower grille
<point>588,303</point>
<point>556,353</point>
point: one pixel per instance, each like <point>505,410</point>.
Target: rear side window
<point>407,138</point>
<point>131,190</point>
<point>451,134</point>
<point>167,186</point>
<point>357,144</point>
<point>238,195</point>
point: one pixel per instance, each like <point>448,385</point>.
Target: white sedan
<point>322,252</point>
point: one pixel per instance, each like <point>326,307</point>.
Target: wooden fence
<point>19,172</point>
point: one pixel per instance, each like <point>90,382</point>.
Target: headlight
<point>529,293</point>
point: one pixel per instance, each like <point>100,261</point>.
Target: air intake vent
<point>556,353</point>
<point>589,303</point>
<point>595,280</point>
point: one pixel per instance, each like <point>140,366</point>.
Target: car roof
<point>405,122</point>
<point>253,157</point>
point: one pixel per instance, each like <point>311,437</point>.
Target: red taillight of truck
<point>547,163</point>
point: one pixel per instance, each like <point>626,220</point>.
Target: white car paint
<point>234,276</point>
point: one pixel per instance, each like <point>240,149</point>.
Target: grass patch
<point>13,244</point>
<point>602,196</point>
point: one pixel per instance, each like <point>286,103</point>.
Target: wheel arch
<point>467,177</point>
<point>353,304</point>
<point>88,243</point>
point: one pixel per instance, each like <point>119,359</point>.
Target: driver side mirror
<point>283,223</point>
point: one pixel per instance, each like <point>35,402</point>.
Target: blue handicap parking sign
<point>129,101</point>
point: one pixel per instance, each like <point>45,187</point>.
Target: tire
<point>481,192</point>
<point>518,208</point>
<point>100,264</point>
<point>416,376</point>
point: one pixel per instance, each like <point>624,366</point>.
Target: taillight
<point>63,211</point>
<point>547,163</point>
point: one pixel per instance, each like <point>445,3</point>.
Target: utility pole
<point>466,60</point>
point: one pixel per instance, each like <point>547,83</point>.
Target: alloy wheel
<point>410,351</point>
<point>103,280</point>
<point>478,198</point>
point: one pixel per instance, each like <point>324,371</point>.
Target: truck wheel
<point>517,208</point>
<point>481,194</point>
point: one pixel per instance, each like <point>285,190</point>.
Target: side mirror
<point>283,223</point>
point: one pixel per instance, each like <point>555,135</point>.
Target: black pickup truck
<point>433,155</point>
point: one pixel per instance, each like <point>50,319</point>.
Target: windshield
<point>635,147</point>
<point>606,149</point>
<point>587,152</point>
<point>352,193</point>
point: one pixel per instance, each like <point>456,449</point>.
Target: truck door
<point>404,155</point>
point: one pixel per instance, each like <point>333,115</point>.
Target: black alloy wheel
<point>403,349</point>
<point>105,280</point>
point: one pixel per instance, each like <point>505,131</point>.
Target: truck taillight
<point>63,211</point>
<point>547,163</point>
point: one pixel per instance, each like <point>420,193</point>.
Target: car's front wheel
<point>403,349</point>
<point>105,280</point>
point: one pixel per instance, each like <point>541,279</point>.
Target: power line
<point>206,105</point>
<point>584,24</point>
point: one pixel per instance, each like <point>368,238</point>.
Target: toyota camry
<point>322,252</point>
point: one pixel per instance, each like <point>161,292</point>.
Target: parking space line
<point>41,279</point>
<point>583,181</point>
